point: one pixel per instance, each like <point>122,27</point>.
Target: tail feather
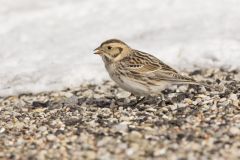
<point>212,87</point>
<point>193,82</point>
<point>190,80</point>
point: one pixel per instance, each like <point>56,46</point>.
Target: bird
<point>137,72</point>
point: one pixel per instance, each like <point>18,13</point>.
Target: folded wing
<point>142,64</point>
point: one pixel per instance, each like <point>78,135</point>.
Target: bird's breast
<point>128,84</point>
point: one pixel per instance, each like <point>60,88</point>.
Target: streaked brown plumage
<point>138,72</point>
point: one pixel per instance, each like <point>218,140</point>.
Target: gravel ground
<point>94,122</point>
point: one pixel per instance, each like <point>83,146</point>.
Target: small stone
<point>19,125</point>
<point>37,104</point>
<point>72,121</point>
<point>90,155</point>
<point>223,99</point>
<point>51,137</point>
<point>125,118</point>
<point>20,141</point>
<point>123,94</point>
<point>224,103</point>
<point>130,152</point>
<point>2,130</point>
<point>159,152</point>
<point>59,132</point>
<point>73,100</point>
<point>135,136</point>
<point>236,103</point>
<point>164,109</point>
<point>68,94</point>
<point>165,117</point>
<point>205,107</point>
<point>104,141</point>
<point>42,128</point>
<point>218,81</point>
<point>88,93</point>
<point>197,101</point>
<point>234,130</point>
<point>25,110</point>
<point>121,127</point>
<point>233,97</point>
<point>188,101</point>
<point>182,88</point>
<point>81,100</point>
<point>173,107</point>
<point>98,96</point>
<point>151,109</point>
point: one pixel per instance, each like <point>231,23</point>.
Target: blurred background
<point>48,45</point>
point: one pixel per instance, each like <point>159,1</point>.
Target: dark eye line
<point>120,49</point>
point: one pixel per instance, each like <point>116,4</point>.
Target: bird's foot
<point>136,103</point>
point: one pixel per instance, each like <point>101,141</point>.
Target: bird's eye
<point>109,47</point>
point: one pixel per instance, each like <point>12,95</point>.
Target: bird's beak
<point>97,50</point>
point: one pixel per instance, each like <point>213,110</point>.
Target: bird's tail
<point>193,82</point>
<point>212,87</point>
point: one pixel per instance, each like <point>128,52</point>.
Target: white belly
<point>131,86</point>
<point>138,88</point>
<point>135,87</point>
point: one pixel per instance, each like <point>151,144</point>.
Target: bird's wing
<point>140,63</point>
<point>145,62</point>
<point>173,77</point>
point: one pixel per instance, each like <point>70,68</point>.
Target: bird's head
<point>113,50</point>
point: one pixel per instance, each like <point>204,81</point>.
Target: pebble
<point>42,128</point>
<point>151,109</point>
<point>121,127</point>
<point>173,107</point>
<point>51,137</point>
<point>233,97</point>
<point>234,130</point>
<point>223,100</point>
<point>134,136</point>
<point>130,152</point>
<point>2,130</point>
<point>19,125</point>
<point>104,141</point>
<point>159,152</point>
<point>165,117</point>
<point>123,94</point>
<point>91,155</point>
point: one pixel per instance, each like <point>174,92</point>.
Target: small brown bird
<point>138,72</point>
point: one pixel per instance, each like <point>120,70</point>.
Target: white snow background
<point>48,44</point>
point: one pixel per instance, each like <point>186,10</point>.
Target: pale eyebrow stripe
<point>113,41</point>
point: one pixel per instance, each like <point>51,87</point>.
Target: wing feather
<point>146,65</point>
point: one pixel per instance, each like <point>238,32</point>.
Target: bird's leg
<point>162,97</point>
<point>162,101</point>
<point>139,100</point>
